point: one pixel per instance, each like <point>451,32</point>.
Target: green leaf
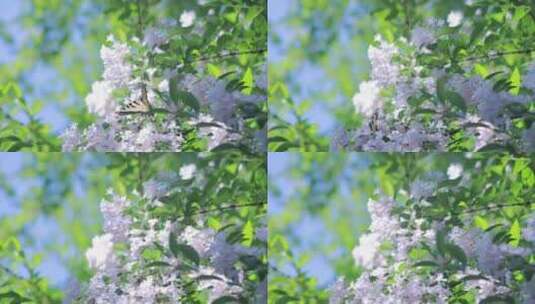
<point>178,96</point>
<point>13,90</point>
<point>520,12</point>
<point>388,187</point>
<point>222,76</point>
<point>10,138</point>
<point>173,89</point>
<point>493,148</point>
<point>189,99</point>
<point>231,147</point>
<point>234,236</point>
<point>252,14</point>
<point>493,74</point>
<point>528,177</point>
<point>248,81</point>
<point>456,100</point>
<point>441,90</point>
<point>234,84</point>
<point>213,70</point>
<point>286,146</point>
<point>440,239</point>
<point>480,222</point>
<point>481,70</point>
<point>248,233</point>
<point>497,299</point>
<point>474,277</point>
<point>493,227</point>
<point>424,111</point>
<point>478,29</point>
<point>190,253</point>
<point>457,252</point>
<point>515,233</point>
<point>503,84</point>
<point>206,277</point>
<point>251,262</point>
<point>17,146</point>
<point>225,300</point>
<point>426,264</point>
<point>16,298</point>
<point>183,250</point>
<point>287,299</point>
<point>516,81</point>
<point>158,264</point>
<point>275,139</point>
<point>501,237</point>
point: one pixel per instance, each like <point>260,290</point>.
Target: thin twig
<point>222,208</point>
<point>140,173</point>
<point>11,272</point>
<point>139,18</point>
<point>496,206</point>
<point>227,207</point>
<point>498,54</point>
<point>230,54</point>
<point>140,30</point>
<point>407,15</point>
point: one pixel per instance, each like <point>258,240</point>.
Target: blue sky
<point>44,78</point>
<point>312,78</point>
<point>44,230</point>
<point>309,76</point>
<point>310,229</point>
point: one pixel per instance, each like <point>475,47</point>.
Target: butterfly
<point>138,106</point>
<point>373,123</point>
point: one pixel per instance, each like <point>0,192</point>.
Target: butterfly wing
<point>133,107</point>
<point>139,106</point>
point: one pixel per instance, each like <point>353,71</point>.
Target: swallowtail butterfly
<point>139,106</point>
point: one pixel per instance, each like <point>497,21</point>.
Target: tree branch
<point>227,207</point>
<point>498,54</point>
<point>491,207</point>
<point>229,54</point>
<point>140,34</point>
<point>139,18</point>
<point>11,272</point>
<point>407,7</point>
<point>140,173</point>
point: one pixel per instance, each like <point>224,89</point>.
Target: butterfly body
<point>373,125</point>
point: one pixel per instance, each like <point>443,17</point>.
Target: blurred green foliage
<point>333,189</point>
<point>66,188</point>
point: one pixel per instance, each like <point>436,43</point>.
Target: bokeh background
<point>49,202</point>
<point>50,50</point>
<point>317,53</point>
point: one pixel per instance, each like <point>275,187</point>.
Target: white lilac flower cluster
<point>218,122</point>
<point>391,274</point>
<point>392,131</point>
<point>123,273</point>
<point>392,123</point>
<point>386,279</point>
